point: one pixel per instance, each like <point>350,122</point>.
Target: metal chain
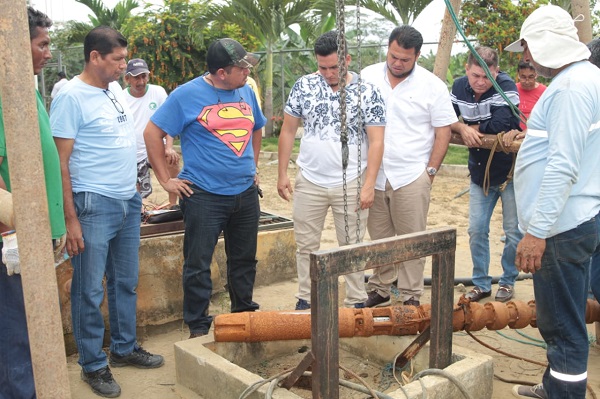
<point>359,127</point>
<point>342,72</point>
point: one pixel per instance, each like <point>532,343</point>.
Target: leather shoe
<point>375,300</point>
<point>411,302</point>
<point>504,293</point>
<point>476,294</point>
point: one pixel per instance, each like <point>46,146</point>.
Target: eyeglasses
<point>113,99</point>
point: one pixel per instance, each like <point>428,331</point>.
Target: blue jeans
<point>206,216</point>
<point>481,208</point>
<point>111,233</point>
<point>560,288</point>
<point>16,373</point>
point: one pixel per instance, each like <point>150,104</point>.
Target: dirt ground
<point>445,210</point>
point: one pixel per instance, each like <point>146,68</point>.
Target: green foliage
<point>496,23</point>
<point>173,40</point>
<point>397,12</point>
<point>101,16</point>
<point>457,155</point>
<point>161,37</point>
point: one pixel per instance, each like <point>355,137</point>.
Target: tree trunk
<point>268,110</point>
<point>447,35</point>
<point>584,28</point>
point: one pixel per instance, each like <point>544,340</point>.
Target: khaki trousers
<point>311,203</point>
<point>397,212</point>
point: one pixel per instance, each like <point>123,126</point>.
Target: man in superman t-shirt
<point>219,122</point>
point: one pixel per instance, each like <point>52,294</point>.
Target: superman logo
<point>232,123</point>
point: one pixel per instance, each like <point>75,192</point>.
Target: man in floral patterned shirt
<point>315,99</point>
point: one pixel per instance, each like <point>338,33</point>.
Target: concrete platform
<point>218,370</point>
<point>160,291</point>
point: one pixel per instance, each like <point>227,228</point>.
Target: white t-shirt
<point>57,86</point>
<point>143,108</point>
<point>414,108</point>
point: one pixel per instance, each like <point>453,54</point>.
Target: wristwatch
<point>431,171</point>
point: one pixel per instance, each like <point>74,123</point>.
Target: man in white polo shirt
<point>417,133</point>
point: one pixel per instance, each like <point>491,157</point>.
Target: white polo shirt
<point>143,108</point>
<point>414,108</point>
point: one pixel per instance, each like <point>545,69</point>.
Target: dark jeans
<point>206,216</point>
<point>16,374</point>
<point>595,275</point>
<point>561,287</point>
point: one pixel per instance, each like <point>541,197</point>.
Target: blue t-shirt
<point>215,127</point>
<point>103,160</point>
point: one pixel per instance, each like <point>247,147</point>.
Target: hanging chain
<point>360,126</point>
<point>342,72</point>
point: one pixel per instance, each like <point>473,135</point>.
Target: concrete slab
<point>160,291</point>
<point>217,370</point>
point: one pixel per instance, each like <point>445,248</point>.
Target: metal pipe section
<point>394,320</point>
<point>22,130</point>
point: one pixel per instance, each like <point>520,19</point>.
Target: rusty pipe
<point>272,326</point>
<point>366,322</point>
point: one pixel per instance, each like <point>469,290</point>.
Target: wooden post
<point>327,265</point>
<point>447,35</point>
<point>584,27</point>
<point>487,142</point>
<point>30,204</point>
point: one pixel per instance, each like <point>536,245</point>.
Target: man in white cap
<point>557,186</point>
<point>144,99</point>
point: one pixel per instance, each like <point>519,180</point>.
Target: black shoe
<point>360,305</point>
<point>375,300</point>
<point>412,302</point>
<point>476,294</point>
<point>504,293</point>
<point>102,382</point>
<point>302,305</point>
<point>138,358</point>
<point>197,334</point>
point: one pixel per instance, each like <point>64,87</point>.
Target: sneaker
<point>525,391</point>
<point>138,358</point>
<point>102,382</point>
<point>359,305</point>
<point>505,293</point>
<point>302,305</point>
<point>476,294</point>
<point>412,302</point>
<point>375,300</point>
